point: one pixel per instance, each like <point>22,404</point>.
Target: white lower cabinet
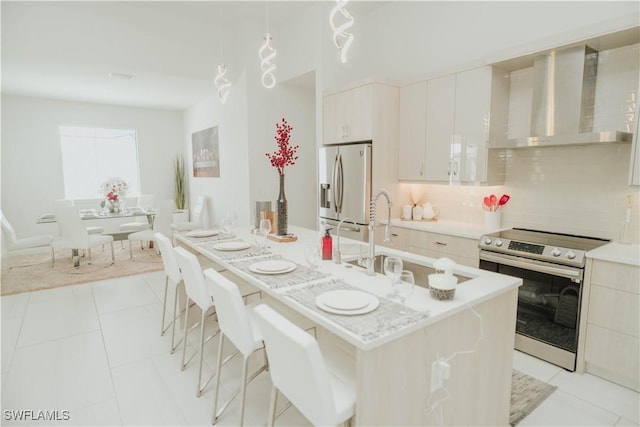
<point>399,238</point>
<point>612,343</point>
<point>462,250</point>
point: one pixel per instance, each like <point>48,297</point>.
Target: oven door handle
<point>574,274</point>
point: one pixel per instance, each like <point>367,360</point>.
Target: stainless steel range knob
<point>498,243</point>
<point>487,240</point>
<point>571,255</point>
<point>556,252</point>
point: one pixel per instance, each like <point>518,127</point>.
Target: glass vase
<point>282,209</point>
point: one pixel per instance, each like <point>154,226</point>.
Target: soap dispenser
<point>327,245</point>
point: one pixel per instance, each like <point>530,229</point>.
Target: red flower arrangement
<point>285,155</point>
<point>112,196</point>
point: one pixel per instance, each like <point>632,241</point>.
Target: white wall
<point>31,158</point>
<point>229,192</point>
<point>397,41</point>
<point>247,129</point>
<point>407,39</point>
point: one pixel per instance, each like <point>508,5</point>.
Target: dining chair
<point>145,201</point>
<point>173,278</point>
<point>199,292</point>
<point>15,244</point>
<point>161,223</point>
<point>238,324</point>
<point>300,372</point>
<point>197,217</point>
<point>69,202</point>
<point>75,234</point>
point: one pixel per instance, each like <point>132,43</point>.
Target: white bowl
<point>442,281</point>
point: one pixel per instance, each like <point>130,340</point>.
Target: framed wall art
<point>206,157</point>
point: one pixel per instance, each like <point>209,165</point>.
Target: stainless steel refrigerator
<point>345,188</point>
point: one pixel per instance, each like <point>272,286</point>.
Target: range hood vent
<point>562,108</point>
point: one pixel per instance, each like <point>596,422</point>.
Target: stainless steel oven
<point>551,266</point>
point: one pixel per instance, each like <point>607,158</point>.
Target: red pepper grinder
<point>327,244</point>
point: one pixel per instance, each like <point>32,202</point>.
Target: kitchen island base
<point>479,386</point>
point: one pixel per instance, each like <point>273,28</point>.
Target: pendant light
<point>266,54</point>
<point>221,82</point>
<point>341,38</point>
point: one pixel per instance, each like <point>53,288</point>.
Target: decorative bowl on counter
<point>442,286</point>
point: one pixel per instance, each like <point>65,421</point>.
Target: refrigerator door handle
<point>340,183</point>
<point>335,184</point>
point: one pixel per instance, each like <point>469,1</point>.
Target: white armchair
<point>15,244</point>
<point>161,224</point>
<point>69,202</point>
<point>197,217</point>
<point>75,234</point>
<point>145,201</point>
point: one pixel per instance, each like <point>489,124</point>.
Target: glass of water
<point>403,288</point>
<point>312,253</point>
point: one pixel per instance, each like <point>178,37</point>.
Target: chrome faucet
<point>338,254</point>
<point>387,231</point>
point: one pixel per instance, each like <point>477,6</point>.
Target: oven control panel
<point>557,255</point>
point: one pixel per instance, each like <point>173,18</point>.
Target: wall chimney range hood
<point>562,108</point>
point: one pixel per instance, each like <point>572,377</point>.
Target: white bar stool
<point>299,371</point>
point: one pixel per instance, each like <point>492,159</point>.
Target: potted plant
<point>179,188</point>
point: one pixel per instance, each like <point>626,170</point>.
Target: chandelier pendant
<point>267,53</point>
<point>222,84</point>
<point>341,38</point>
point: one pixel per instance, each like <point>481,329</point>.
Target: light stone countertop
<point>483,286</point>
<point>452,228</point>
<point>617,252</point>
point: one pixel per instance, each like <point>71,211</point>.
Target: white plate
<point>272,267</point>
<point>203,233</point>
<point>232,246</point>
<point>345,299</point>
<point>373,304</point>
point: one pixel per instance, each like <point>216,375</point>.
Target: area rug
<point>526,394</point>
<point>24,273</point>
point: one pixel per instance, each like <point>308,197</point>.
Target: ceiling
<point>67,50</point>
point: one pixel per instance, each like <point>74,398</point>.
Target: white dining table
<point>393,347</point>
<point>93,215</point>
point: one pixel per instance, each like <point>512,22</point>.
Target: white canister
<point>429,211</point>
<point>417,213</point>
<point>492,220</point>
<point>406,213</point>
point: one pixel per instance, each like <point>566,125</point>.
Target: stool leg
<point>184,335</point>
<point>201,351</point>
<point>164,305</point>
<point>272,406</point>
<point>218,368</point>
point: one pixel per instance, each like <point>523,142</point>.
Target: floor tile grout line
<point>106,353</point>
<point>588,402</point>
<point>15,345</point>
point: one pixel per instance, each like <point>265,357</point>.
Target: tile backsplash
<point>576,190</point>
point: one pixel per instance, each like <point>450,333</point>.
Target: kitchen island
<point>394,348</point>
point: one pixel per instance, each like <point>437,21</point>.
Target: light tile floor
<point>95,350</point>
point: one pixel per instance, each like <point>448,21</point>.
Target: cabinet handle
<point>421,168</point>
<point>449,169</point>
<point>441,243</point>
<point>394,234</point>
<point>455,168</point>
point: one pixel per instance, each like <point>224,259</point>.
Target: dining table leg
<point>75,256</point>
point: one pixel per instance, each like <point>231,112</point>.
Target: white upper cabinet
<point>440,127</point>
<point>481,112</point>
<point>348,115</point>
<point>454,117</point>
<point>412,132</point>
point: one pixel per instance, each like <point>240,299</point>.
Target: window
<point>91,156</point>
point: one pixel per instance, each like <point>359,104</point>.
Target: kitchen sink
<point>420,272</point>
